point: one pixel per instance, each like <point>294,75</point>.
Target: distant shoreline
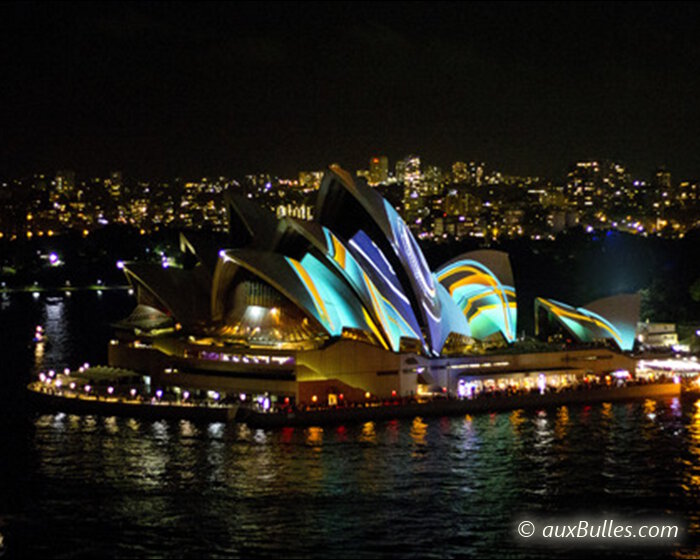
<point>58,289</point>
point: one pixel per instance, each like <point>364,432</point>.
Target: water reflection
<point>75,329</point>
<point>691,478</point>
<point>650,409</point>
<point>543,432</point>
<point>561,424</point>
<point>216,430</point>
<point>369,433</point>
<point>459,479</point>
<point>160,431</point>
<point>393,432</point>
<point>260,437</point>
<point>419,430</point>
<point>5,301</point>
<point>606,412</point>
<point>469,434</point>
<point>314,436</point>
<point>111,425</point>
<point>188,429</point>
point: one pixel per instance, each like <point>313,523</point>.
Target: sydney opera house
<point>346,307</point>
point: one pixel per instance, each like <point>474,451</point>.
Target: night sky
<point>201,89</point>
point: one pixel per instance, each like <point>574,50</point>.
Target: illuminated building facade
<point>343,304</point>
<point>460,172</point>
<point>481,283</point>
<point>378,170</point>
<point>408,171</point>
<point>612,320</point>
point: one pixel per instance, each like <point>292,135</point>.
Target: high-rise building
<point>65,181</point>
<point>432,180</point>
<point>114,184</point>
<point>378,170</point>
<point>688,192</point>
<point>476,173</point>
<point>460,173</point>
<point>408,171</point>
<point>582,182</point>
<point>662,178</point>
<point>592,182</point>
<point>661,194</point>
<point>472,173</point>
<point>310,179</point>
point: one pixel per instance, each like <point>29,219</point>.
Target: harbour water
<point>73,486</point>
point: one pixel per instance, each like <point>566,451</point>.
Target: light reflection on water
<point>691,478</point>
<point>459,480</point>
<point>85,485</point>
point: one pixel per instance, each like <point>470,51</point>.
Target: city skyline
<point>165,89</point>
<point>363,169</point>
<point>467,200</point>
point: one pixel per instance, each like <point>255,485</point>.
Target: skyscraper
<point>460,174</point>
<point>378,170</point>
<point>408,171</point>
<point>476,173</point>
<point>65,181</point>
